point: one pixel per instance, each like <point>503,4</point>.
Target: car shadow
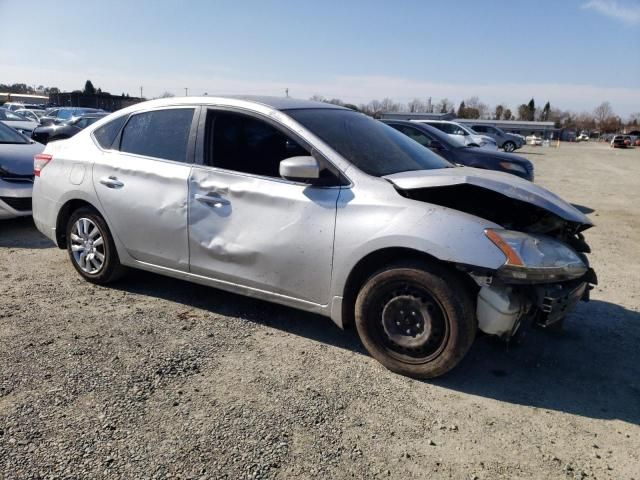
<point>592,369</point>
<point>22,233</point>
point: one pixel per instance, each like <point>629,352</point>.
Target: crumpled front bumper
<point>554,301</point>
<point>501,308</point>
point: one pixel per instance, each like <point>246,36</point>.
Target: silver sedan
<point>320,208</point>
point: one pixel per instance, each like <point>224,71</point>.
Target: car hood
<point>16,160</point>
<point>497,182</point>
<point>26,124</point>
<point>500,156</point>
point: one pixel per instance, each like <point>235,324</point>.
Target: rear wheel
<point>416,319</point>
<point>91,248</point>
<point>509,146</point>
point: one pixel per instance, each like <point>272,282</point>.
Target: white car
<point>13,106</point>
<point>534,140</point>
<point>31,115</point>
<point>462,132</point>
<point>16,121</point>
<point>583,137</point>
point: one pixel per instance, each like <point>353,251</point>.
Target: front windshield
<point>370,145</point>
<point>9,135</point>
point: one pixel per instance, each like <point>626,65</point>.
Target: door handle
<point>215,202</point>
<point>111,182</point>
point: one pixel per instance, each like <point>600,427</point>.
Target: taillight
<point>39,162</point>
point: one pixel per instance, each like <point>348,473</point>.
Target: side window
<point>246,144</point>
<point>414,134</point>
<point>456,130</point>
<point>160,134</point>
<point>82,123</point>
<point>445,127</point>
<point>107,133</point>
<point>480,128</point>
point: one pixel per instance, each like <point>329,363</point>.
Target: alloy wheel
<point>87,246</point>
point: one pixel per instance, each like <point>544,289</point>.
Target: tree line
<point>23,88</point>
<point>602,118</point>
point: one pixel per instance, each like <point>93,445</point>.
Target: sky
<point>573,53</point>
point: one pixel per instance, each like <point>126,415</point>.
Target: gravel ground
<point>158,378</point>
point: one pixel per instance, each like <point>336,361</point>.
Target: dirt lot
<point>157,378</point>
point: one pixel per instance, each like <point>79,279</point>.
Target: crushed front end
<point>542,280</point>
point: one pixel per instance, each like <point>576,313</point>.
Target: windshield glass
<point>370,145</point>
<point>9,135</point>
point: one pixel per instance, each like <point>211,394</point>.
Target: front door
<point>142,186</point>
<point>248,226</point>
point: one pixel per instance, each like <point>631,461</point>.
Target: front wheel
<point>417,319</point>
<point>91,248</point>
<point>509,146</point>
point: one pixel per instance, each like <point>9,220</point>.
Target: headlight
<point>513,167</point>
<point>535,258</point>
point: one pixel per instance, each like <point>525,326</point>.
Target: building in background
<point>105,101</point>
<point>23,98</point>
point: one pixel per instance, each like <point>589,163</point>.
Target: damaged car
<point>320,208</point>
<point>16,172</point>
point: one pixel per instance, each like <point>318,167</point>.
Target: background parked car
<point>33,115</point>
<point>49,133</point>
<point>468,136</point>
<point>621,141</point>
<point>64,114</point>
<point>534,140</point>
<point>453,150</point>
<point>16,121</point>
<point>16,172</point>
<point>507,141</point>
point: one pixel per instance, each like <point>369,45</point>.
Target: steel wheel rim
<point>87,246</point>
<point>428,339</point>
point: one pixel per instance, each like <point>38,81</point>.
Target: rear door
<point>247,225</point>
<point>142,184</point>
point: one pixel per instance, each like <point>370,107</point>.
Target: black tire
<point>509,146</point>
<point>110,269</point>
<point>416,318</point>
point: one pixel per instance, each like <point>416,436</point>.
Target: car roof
<point>276,103</point>
<point>439,134</point>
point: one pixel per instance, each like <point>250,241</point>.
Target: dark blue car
<point>456,152</point>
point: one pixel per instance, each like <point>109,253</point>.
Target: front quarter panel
<point>372,219</point>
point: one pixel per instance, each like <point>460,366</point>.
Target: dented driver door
<point>267,234</point>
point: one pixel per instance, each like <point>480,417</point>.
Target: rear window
<point>107,133</point>
<point>160,134</point>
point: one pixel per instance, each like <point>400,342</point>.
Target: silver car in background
<point>462,133</point>
<point>320,208</point>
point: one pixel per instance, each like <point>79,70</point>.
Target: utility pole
<point>140,92</point>
<point>186,91</point>
<point>286,92</point>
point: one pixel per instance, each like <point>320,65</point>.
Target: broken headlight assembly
<point>535,258</point>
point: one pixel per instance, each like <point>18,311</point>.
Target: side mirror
<point>300,168</point>
<point>436,145</point>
